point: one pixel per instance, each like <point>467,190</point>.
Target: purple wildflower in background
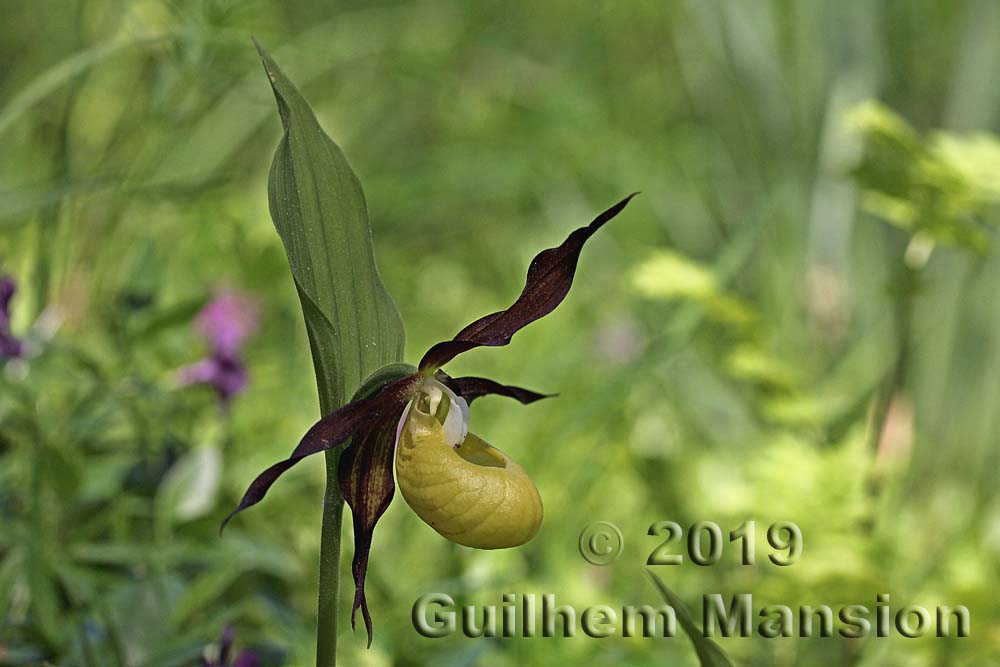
<point>217,655</point>
<point>10,347</point>
<point>225,322</point>
<point>228,320</point>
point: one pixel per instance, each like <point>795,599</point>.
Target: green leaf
<point>189,489</point>
<point>709,653</point>
<point>202,591</point>
<point>46,608</point>
<point>319,210</point>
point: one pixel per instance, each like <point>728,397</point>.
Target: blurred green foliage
<point>745,342</point>
<point>939,188</point>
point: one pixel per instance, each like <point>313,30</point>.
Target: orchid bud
<point>464,488</point>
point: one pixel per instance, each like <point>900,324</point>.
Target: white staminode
<point>456,422</point>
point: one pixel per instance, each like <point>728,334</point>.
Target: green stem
<point>906,284</point>
<point>329,566</point>
<point>333,514</point>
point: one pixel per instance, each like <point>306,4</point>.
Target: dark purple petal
<point>231,378</point>
<point>226,644</point>
<point>226,374</point>
<point>7,289</point>
<point>550,276</point>
<point>471,388</point>
<point>332,431</point>
<point>247,658</point>
<point>366,482</point>
<point>10,347</point>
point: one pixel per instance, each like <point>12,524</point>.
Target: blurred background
<point>797,320</point>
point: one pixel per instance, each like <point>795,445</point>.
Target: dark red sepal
<point>550,276</point>
<point>366,481</point>
<point>471,388</point>
<point>334,430</point>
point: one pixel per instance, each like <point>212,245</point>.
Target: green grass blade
<point>709,653</point>
<point>66,70</point>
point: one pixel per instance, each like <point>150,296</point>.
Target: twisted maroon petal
<point>550,277</point>
<point>334,430</point>
<point>366,481</point>
<point>471,388</point>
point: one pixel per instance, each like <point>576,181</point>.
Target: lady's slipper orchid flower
<point>225,322</point>
<point>468,491</point>
<point>10,347</point>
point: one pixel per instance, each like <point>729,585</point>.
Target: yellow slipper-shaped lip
<point>471,493</point>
